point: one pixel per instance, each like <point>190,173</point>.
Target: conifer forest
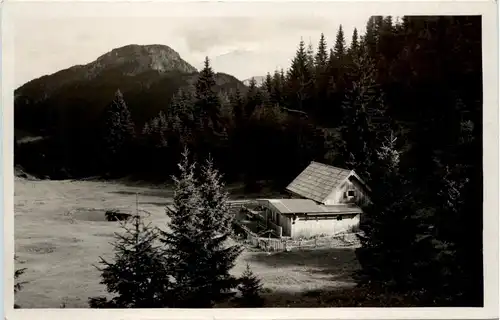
<point>400,104</point>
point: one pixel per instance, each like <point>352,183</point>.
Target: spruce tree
<point>137,276</point>
<point>268,84</point>
<point>310,58</point>
<point>371,38</point>
<point>158,131</point>
<point>182,106</point>
<point>322,80</point>
<point>278,92</point>
<point>218,256</point>
<point>182,237</point>
<point>181,118</point>
<point>196,242</point>
<point>238,106</point>
<point>226,111</point>
<point>388,232</point>
<point>253,97</point>
<point>364,119</point>
<point>250,288</point>
<point>337,79</point>
<point>340,46</point>
<point>207,104</point>
<point>321,58</point>
<point>300,80</point>
<point>119,134</point>
<point>354,47</point>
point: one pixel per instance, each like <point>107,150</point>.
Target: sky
<point>242,46</point>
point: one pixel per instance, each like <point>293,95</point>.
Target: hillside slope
<point>147,75</point>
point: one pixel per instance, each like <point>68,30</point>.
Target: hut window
<point>339,218</point>
<point>350,193</point>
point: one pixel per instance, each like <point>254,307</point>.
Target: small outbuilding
<point>304,218</point>
<point>325,201</point>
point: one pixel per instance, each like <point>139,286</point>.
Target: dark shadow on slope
<point>340,263</point>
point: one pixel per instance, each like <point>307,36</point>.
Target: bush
<point>18,285</point>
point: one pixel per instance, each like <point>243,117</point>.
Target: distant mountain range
<point>147,75</point>
<point>258,79</point>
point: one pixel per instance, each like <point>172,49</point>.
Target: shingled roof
<point>317,181</point>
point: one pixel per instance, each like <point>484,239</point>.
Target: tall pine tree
<point>388,232</point>
<point>321,58</point>
<point>340,47</point>
<point>207,105</point>
<point>300,80</point>
<point>119,134</point>
<point>364,119</point>
<point>354,47</point>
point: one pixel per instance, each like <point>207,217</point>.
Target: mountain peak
<point>140,50</point>
<point>139,58</point>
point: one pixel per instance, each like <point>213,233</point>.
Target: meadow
<point>60,232</point>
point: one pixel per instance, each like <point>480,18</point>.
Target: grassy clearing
<point>59,238</point>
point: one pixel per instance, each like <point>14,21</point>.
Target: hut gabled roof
<point>318,180</point>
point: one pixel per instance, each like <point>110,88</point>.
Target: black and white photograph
<point>255,159</point>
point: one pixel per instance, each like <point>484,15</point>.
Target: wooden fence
<point>235,204</point>
<point>286,244</point>
<point>335,241</point>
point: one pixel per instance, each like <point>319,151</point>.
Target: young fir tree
<point>196,243</point>
<point>250,288</point>
<point>137,276</point>
<point>217,257</point>
<point>182,240</point>
<point>119,133</point>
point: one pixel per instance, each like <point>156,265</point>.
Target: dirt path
<point>59,248</point>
